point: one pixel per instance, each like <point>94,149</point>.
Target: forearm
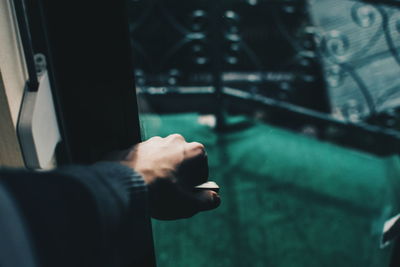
<point>79,216</point>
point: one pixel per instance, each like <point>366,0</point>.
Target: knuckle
<point>200,147</point>
<point>176,137</point>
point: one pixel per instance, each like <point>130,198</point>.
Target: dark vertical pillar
<point>89,56</point>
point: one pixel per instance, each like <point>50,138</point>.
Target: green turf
<point>287,201</point>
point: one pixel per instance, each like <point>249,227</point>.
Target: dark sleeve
<point>84,215</point>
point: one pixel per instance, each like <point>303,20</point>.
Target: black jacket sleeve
<point>84,215</point>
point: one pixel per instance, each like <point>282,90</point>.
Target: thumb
<point>207,200</point>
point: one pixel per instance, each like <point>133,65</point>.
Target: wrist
<point>147,175</point>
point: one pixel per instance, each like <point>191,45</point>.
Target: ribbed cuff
<point>121,176</point>
<point>135,246</point>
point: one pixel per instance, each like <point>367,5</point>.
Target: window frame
<point>12,82</point>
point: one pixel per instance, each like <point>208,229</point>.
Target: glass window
<point>297,103</point>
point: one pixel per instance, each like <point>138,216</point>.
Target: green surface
<point>287,201</point>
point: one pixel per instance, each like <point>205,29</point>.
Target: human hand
<point>172,167</point>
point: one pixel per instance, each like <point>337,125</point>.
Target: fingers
<point>190,203</point>
<point>176,167</point>
<point>175,138</point>
<point>207,200</point>
<point>194,150</point>
<point>193,171</point>
<point>169,201</point>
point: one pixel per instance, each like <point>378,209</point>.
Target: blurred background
<point>298,104</point>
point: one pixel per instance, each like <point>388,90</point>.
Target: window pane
<point>297,103</point>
